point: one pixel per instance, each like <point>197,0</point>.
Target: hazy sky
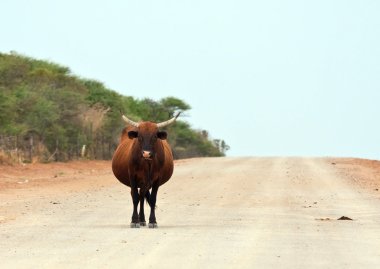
<point>269,77</point>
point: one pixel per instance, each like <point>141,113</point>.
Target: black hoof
<point>153,225</point>
<point>135,225</point>
<point>142,223</point>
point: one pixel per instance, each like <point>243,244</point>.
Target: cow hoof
<point>135,225</point>
<point>153,225</point>
<point>142,223</point>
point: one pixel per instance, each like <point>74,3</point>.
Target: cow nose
<point>147,154</point>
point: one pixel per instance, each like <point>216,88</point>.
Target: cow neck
<point>150,173</point>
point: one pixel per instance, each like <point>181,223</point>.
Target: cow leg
<point>141,213</point>
<point>135,198</point>
<point>153,198</point>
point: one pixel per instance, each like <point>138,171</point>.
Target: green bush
<point>49,114</point>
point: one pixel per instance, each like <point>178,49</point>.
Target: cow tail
<point>147,197</point>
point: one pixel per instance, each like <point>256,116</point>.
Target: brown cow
<point>143,160</point>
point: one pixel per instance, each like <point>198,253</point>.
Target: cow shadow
<point>160,226</point>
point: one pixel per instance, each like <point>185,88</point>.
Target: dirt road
<point>214,213</point>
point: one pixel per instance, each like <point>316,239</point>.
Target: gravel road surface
<point>213,213</point>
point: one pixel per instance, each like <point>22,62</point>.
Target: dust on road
<point>213,213</point>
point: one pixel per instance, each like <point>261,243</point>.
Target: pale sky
<point>271,78</point>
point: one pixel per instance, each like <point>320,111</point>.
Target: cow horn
<point>166,123</point>
<point>130,122</point>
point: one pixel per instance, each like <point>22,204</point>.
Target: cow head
<point>147,133</point>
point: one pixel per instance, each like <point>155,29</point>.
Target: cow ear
<point>162,135</point>
<point>132,134</point>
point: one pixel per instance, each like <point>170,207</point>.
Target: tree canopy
<point>47,113</point>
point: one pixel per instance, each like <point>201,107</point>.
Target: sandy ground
<point>213,213</point>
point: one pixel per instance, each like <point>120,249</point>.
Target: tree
<point>172,105</point>
<point>46,110</point>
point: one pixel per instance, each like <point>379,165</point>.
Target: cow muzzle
<point>147,155</point>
